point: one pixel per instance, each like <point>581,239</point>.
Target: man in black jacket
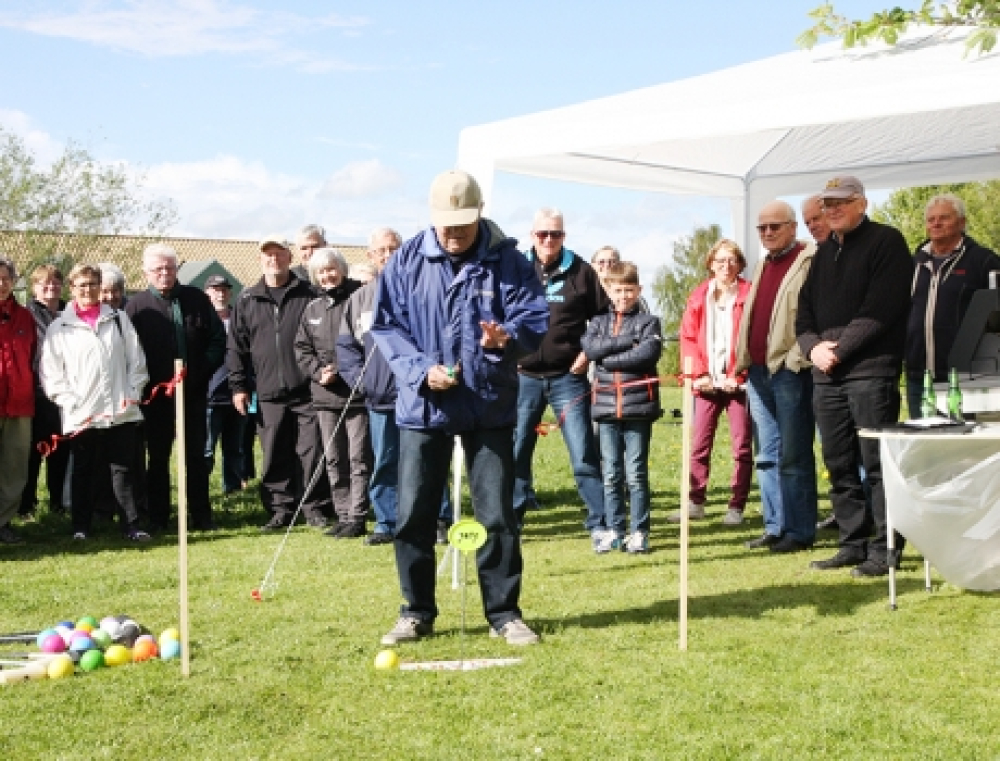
<point>851,324</point>
<point>262,332</point>
<point>556,374</point>
<point>950,267</point>
<point>173,322</point>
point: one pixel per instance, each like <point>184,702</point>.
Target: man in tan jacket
<point>779,385</point>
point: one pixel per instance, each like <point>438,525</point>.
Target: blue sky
<point>260,117</point>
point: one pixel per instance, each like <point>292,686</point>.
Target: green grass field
<point>783,662</point>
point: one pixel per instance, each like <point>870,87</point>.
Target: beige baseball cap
<point>843,187</point>
<point>455,199</point>
<point>273,240</point>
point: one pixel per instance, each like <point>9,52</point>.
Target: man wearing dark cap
<point>851,324</point>
<point>261,356</point>
<point>456,307</point>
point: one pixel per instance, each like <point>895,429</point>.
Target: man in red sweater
<point>17,398</point>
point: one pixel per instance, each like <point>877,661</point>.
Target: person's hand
<point>494,335</point>
<point>729,385</point>
<point>240,401</point>
<point>326,376</point>
<point>703,384</point>
<point>580,364</point>
<point>441,378</point>
<point>823,357</point>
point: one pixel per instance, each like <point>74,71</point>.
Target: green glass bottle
<point>928,407</point>
<point>954,397</point>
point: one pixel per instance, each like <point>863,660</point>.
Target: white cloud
<point>362,179</point>
<point>40,143</point>
<point>160,28</point>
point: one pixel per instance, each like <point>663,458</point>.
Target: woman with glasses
<point>94,369</point>
<point>709,336</point>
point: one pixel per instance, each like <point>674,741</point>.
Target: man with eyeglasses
<point>852,325</point>
<point>556,374</point>
<point>779,385</point>
<point>176,321</point>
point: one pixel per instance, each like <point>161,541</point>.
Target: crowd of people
<point>358,381</point>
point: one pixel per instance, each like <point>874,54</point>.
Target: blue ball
<point>42,635</point>
<point>81,644</point>
<point>169,648</point>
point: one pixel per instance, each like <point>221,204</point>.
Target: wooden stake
<point>182,505</point>
<point>687,412</point>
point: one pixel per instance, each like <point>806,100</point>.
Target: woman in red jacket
<point>709,333</point>
<point>17,398</point>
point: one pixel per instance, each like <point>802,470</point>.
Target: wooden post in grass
<point>687,412</point>
<point>182,505</point>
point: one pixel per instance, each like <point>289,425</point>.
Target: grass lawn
<point>783,662</point>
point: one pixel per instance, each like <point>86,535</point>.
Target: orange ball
<point>144,650</point>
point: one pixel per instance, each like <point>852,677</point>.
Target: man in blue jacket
<point>456,307</point>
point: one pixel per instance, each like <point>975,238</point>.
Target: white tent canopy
<point>919,113</point>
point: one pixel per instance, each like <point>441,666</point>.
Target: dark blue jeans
<point>625,458</point>
<point>783,428</point>
<point>569,396</point>
<point>225,423</point>
<point>424,462</point>
<point>841,409</point>
<point>382,490</point>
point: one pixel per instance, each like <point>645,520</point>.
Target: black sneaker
<point>354,530</point>
<point>9,536</point>
<point>765,540</point>
<point>136,535</point>
<point>442,532</point>
<point>843,559</point>
<point>828,523</point>
<point>334,530</point>
<point>379,537</point>
<point>278,522</point>
<point>871,568</point>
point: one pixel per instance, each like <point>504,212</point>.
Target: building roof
<point>237,256</point>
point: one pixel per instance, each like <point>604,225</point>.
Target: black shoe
<point>379,537</point>
<point>765,540</point>
<point>317,521</point>
<point>870,568</point>
<point>205,524</point>
<point>830,522</point>
<point>334,530</point>
<point>278,522</point>
<point>354,530</point>
<point>843,559</point>
<point>442,532</point>
<point>787,544</point>
<point>9,536</point>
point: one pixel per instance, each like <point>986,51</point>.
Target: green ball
<point>101,638</point>
<point>90,620</point>
<point>91,660</point>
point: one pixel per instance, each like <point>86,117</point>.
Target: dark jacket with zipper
<point>626,348</point>
<point>857,293</point>
<point>575,296</point>
<point>204,335</point>
<point>262,337</point>
<point>316,348</point>
<point>941,296</point>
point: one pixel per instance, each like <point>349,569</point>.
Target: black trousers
<point>115,448</point>
<point>290,440</point>
<point>45,423</point>
<point>841,409</point>
<point>160,433</point>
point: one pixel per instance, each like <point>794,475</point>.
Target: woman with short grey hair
<point>112,285</point>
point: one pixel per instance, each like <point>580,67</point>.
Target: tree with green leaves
<point>674,282</point>
<point>51,214</point>
<point>983,16</point>
<point>904,209</point>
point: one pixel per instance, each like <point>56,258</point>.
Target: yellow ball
<point>826,475</point>
<point>386,660</point>
<point>170,633</point>
<point>61,667</point>
<point>117,655</point>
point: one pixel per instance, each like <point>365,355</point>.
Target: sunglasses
<point>554,234</point>
<point>771,227</point>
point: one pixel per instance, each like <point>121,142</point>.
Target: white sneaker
<point>637,542</point>
<point>695,513</point>
<point>733,517</point>
<point>516,632</point>
<point>610,540</point>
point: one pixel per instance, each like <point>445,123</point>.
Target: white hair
<point>311,231</point>
<point>363,271</point>
<point>547,212</point>
<point>111,274</point>
<point>378,232</point>
<point>158,251</point>
<point>323,258</point>
<point>949,198</point>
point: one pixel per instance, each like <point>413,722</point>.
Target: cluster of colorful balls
<point>112,641</point>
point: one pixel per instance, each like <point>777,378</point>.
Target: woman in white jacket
<point>94,368</point>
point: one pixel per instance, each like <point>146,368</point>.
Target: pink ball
<point>53,644</point>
